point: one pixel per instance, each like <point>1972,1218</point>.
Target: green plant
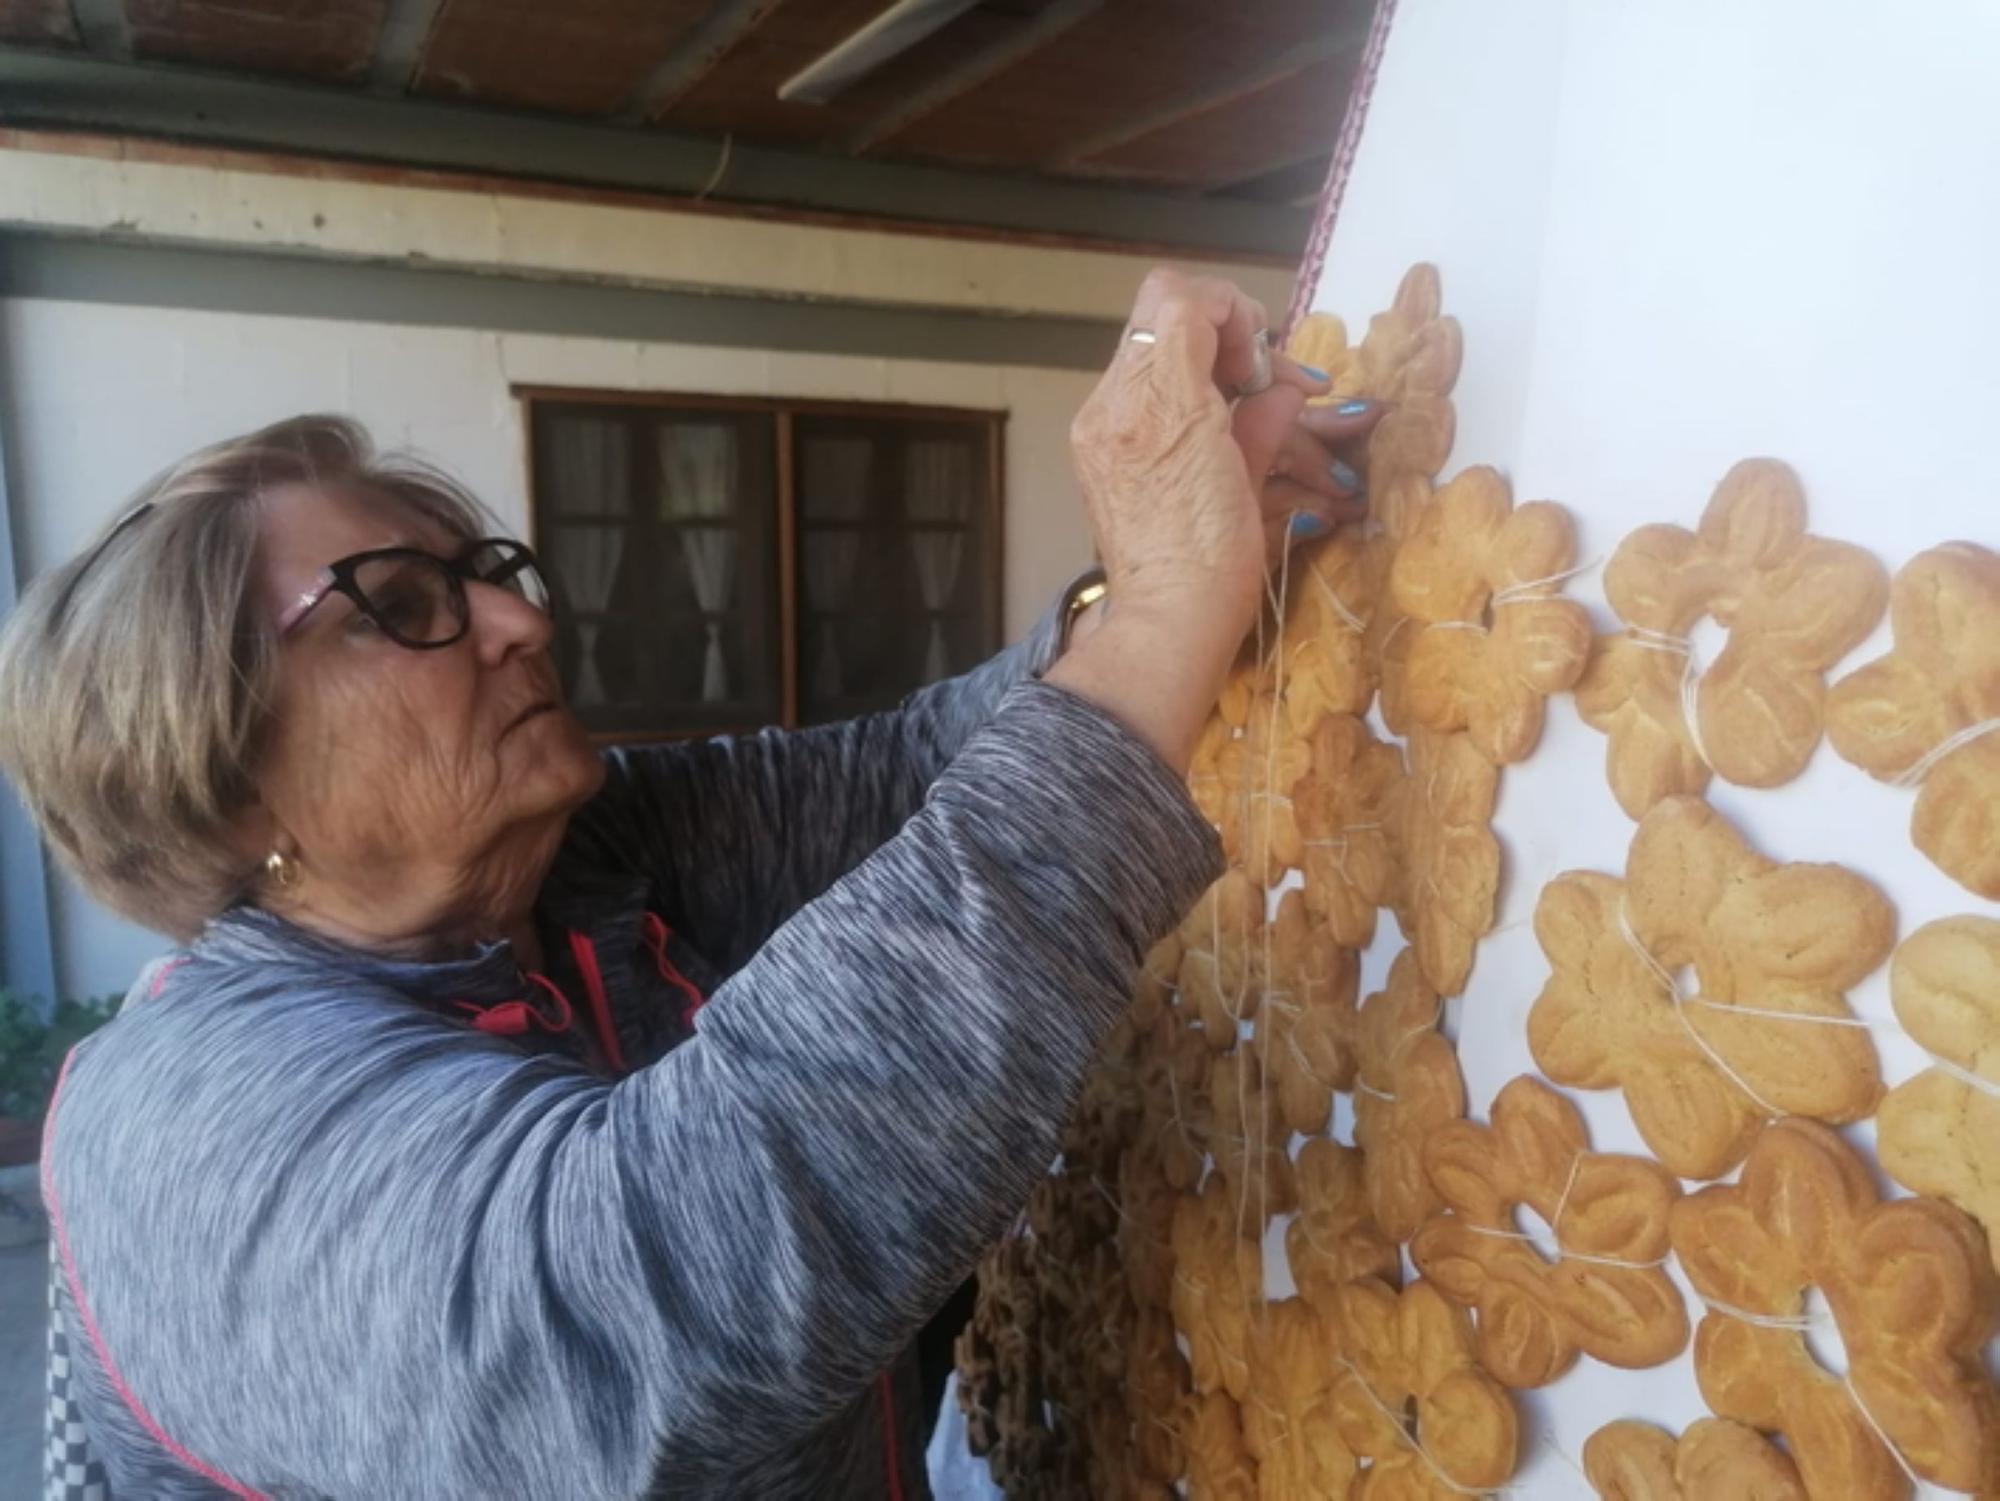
<point>32,1049</point>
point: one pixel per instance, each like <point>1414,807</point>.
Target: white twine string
<point>1347,617</point>
<point>1562,1252</point>
<point>1400,1422</point>
<point>1515,593</point>
<point>1802,1324</point>
<point>1957,1071</point>
<point>1305,1063</point>
<point>1666,981</point>
<point>1690,689</point>
<point>1362,1087</point>
<point>1917,770</point>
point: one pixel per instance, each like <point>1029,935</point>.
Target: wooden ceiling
<point>1218,98</point>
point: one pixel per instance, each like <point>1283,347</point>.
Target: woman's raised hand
<point>1188,498</point>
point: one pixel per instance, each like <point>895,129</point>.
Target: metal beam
<point>693,58</point>
<point>105,28</point>
<point>1213,95</point>
<point>27,943</point>
<point>399,45</point>
<point>975,70</point>
<point>41,88</point>
<point>69,269</point>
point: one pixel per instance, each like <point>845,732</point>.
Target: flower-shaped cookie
<point>1218,1288</point>
<point>1794,605</point>
<point>1411,357</point>
<point>1448,874</point>
<point>1289,1421</point>
<point>1606,1295</point>
<point>1247,1140</point>
<point>1219,1467</point>
<point>1307,1020</point>
<point>1939,1133</point>
<point>1406,1087</point>
<point>1929,711</point>
<point>1766,942</point>
<point>1221,939</point>
<point>1146,1203</point>
<point>1415,1347</point>
<point>1173,1080</point>
<point>1333,1239</point>
<point>1480,580</point>
<point>1259,768</point>
<point>1342,807</point>
<point>1907,1283</point>
<point>1715,1460</point>
<point>1157,978</point>
<point>1334,588</point>
<point>1156,1387</point>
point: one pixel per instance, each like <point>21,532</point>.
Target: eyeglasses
<point>416,598</point>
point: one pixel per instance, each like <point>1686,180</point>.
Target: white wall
<point>103,396</point>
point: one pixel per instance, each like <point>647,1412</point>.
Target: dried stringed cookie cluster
<point>1708,985</point>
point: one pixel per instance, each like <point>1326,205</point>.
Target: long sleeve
<point>339,1245</point>
<point>736,834</point>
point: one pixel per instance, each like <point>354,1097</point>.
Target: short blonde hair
<point>135,680</point>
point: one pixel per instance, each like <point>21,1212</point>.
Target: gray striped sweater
<point>334,1225</point>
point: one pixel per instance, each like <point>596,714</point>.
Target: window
<point>722,564</point>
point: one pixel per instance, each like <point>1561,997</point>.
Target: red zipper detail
<point>890,1455</point>
<point>600,1004</point>
<point>657,933</point>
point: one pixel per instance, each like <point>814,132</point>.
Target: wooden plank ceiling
<point>1212,97</point>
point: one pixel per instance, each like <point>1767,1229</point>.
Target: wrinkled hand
<point>1188,498</point>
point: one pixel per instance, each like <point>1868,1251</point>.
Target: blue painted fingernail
<point>1315,372</point>
<point>1306,525</point>
<point>1353,408</point>
<point>1344,477</point>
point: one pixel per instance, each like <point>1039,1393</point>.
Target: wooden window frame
<point>783,410</point>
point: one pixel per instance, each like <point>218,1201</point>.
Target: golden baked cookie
<point>1333,1239</point>
<point>1714,1460</point>
<point>1480,579</point>
<point>1173,1090</point>
<point>1289,1422</point>
<point>1218,1288</point>
<point>1220,941</point>
<point>1247,1140</point>
<point>1939,1133</point>
<point>1794,605</point>
<point>1448,860</point>
<point>1928,712</point>
<point>1909,1286</point>
<point>1219,1467</point>
<point>1334,590</point>
<point>1700,1074</point>
<point>1342,806</point>
<point>1606,1294</point>
<point>1156,1391</point>
<point>1259,769</point>
<point>1406,1086</point>
<point>1415,1347</point>
<point>1157,978</point>
<point>1307,1020</point>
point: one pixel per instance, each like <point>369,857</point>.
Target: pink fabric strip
<point>1342,167</point>
<point>117,1378</point>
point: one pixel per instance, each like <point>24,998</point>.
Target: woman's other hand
<point>1187,497</point>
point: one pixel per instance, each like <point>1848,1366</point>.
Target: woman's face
<point>425,778</point>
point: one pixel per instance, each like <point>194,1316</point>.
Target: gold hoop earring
<point>282,869</point>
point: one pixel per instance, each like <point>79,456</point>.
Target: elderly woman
<point>520,1120</point>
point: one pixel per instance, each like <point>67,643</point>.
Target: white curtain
<point>833,486</point>
<point>937,487</point>
<point>590,470</point>
<point>698,474</point>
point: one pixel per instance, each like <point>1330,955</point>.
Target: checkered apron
<point>72,1472</point>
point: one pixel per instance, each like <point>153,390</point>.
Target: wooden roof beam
<point>105,29</point>
<point>1226,90</point>
<point>969,74</point>
<point>399,45</point>
<point>692,59</point>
